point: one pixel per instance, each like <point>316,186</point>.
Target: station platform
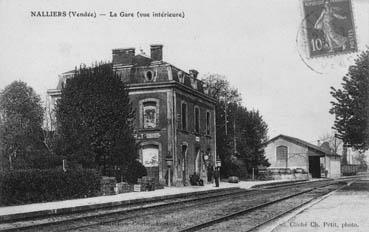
<point>343,210</point>
<point>19,212</point>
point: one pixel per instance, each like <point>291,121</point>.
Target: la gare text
<point>111,14</point>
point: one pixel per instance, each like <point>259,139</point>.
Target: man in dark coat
<point>216,176</point>
<point>210,173</point>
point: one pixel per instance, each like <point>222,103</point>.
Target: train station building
<point>286,152</point>
<point>175,115</point>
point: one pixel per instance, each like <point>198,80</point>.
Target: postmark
<point>329,27</point>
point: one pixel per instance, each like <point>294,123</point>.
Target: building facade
<point>175,115</point>
<point>292,153</point>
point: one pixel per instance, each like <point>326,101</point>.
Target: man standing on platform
<point>210,173</point>
<point>216,176</point>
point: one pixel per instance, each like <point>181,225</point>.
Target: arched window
<point>184,115</point>
<point>282,153</point>
<point>208,123</point>
<point>197,119</point>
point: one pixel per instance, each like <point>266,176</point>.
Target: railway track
<point>274,186</point>
<point>197,205</point>
<point>242,217</point>
<point>118,214</point>
<point>112,214</point>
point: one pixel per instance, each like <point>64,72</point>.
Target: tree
<point>335,144</point>
<point>361,158</point>
<point>224,94</point>
<point>253,136</point>
<point>95,119</point>
<point>351,105</point>
<point>240,133</point>
<point>20,125</point>
<point>221,90</point>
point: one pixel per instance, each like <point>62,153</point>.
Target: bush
<point>48,161</point>
<point>234,170</point>
<point>134,171</point>
<point>34,185</point>
<point>264,176</point>
<point>229,168</point>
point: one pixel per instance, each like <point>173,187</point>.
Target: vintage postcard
<point>170,115</point>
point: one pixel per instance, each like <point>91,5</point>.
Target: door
<point>150,159</point>
<point>198,161</point>
<point>184,164</point>
<point>314,166</point>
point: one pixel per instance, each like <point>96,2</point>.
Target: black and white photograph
<point>169,115</point>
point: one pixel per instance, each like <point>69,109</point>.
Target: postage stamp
<point>329,27</point>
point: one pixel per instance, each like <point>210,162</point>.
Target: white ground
<point>346,211</point>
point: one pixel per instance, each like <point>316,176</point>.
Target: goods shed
<point>289,153</point>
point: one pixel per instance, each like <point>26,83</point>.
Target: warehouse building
<point>285,152</point>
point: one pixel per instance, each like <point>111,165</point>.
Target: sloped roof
<point>304,143</point>
<point>141,61</point>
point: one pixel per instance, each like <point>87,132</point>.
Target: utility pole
<point>234,136</point>
<point>225,117</point>
<point>344,154</point>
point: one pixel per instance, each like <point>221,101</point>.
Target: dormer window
<point>180,76</point>
<point>194,83</point>
<point>205,88</point>
<point>149,76</point>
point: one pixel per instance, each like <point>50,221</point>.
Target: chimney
<point>123,56</point>
<point>193,73</point>
<point>156,52</point>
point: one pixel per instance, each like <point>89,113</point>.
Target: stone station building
<point>175,115</point>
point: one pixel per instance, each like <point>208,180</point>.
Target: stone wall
<point>297,155</point>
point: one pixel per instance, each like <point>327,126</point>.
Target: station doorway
<point>314,166</point>
<point>150,159</point>
<point>184,164</point>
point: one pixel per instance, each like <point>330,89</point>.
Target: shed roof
<point>305,144</point>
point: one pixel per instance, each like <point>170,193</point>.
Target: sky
<point>258,45</point>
